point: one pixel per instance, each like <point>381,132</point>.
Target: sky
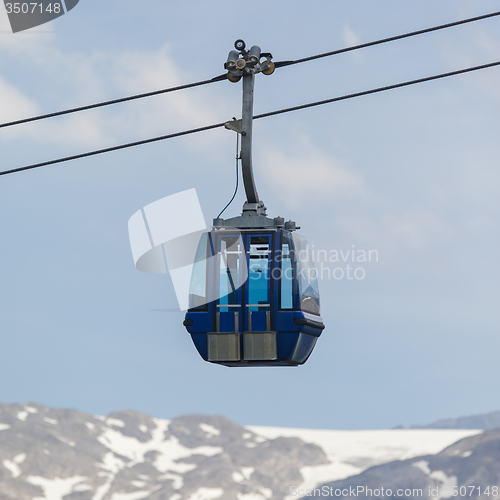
<point>411,173</point>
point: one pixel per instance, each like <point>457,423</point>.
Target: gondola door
<point>224,342</point>
<point>259,341</point>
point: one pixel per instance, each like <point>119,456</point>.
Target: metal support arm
<point>242,63</point>
<point>246,137</point>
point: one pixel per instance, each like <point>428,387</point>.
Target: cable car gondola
<point>254,298</point>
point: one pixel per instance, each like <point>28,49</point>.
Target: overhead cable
<point>113,148</point>
<point>224,76</point>
<point>374,91</point>
<point>114,101</point>
<point>280,64</point>
<point>263,115</point>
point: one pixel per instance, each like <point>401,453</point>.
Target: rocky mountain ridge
<point>55,454</point>
<point>469,468</point>
<point>67,454</point>
<point>485,421</point>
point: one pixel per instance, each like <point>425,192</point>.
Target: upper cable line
<point>277,64</point>
<point>280,64</point>
<point>255,117</point>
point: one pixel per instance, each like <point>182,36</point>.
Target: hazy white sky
<point>412,173</point>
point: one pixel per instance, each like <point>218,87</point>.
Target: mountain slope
<point>56,454</point>
<point>351,452</point>
<point>52,454</point>
<point>470,467</point>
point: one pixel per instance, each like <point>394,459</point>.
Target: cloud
<point>350,39</point>
<point>139,71</point>
<point>77,79</point>
<point>416,230</point>
<point>473,49</point>
<point>302,173</point>
<point>13,103</point>
<point>395,233</point>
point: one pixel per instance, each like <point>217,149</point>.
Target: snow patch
<point>103,489</point>
<point>52,421</point>
<point>66,441</point>
<point>178,481</point>
<point>237,477</point>
<point>12,468</point>
<point>448,483</point>
<point>13,465</point>
<point>30,409</point>
<point>466,454</point>
<point>111,463</point>
<point>82,487</point>
<point>169,451</point>
<point>55,489</point>
<point>172,450</point>
<point>4,427</point>
<point>22,415</point>
<point>143,428</point>
<point>90,426</point>
<point>136,495</point>
<point>247,472</point>
<point>206,494</point>
<point>351,452</point>
<point>115,422</point>
<point>210,429</point>
<point>423,465</point>
<point>266,492</point>
<point>247,435</point>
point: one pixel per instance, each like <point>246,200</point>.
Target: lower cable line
<point>263,115</point>
<point>379,89</point>
<point>113,148</point>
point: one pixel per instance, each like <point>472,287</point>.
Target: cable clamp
<point>234,125</point>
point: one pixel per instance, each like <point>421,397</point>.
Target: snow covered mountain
<point>469,468</point>
<point>351,452</point>
<point>54,454</point>
<point>58,454</point>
